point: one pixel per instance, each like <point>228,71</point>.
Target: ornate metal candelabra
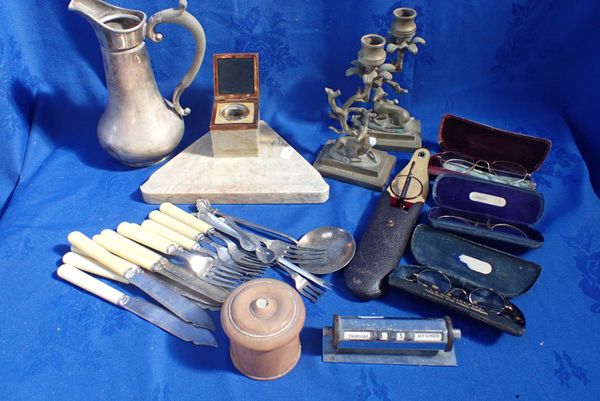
<point>385,125</point>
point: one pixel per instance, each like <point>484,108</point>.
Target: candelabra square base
<point>361,171</point>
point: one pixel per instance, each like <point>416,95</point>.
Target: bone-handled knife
<point>186,270</point>
<point>187,237</point>
<point>389,229</point>
<point>78,259</point>
<point>144,309</point>
<point>179,305</point>
<point>134,252</point>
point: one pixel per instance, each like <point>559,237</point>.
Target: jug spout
<point>117,28</point>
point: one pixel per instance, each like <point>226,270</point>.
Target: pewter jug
<point>139,127</point>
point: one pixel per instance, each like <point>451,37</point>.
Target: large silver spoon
<point>339,245</point>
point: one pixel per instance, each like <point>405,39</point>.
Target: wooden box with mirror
<point>234,122</point>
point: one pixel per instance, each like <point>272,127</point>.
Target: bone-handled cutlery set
<point>187,263</point>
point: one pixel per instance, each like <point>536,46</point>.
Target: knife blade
<point>140,307</point>
<point>180,306</point>
<point>81,261</point>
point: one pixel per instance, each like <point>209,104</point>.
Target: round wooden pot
<point>263,319</point>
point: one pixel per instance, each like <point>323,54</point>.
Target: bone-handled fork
<point>137,254</point>
<point>214,221</point>
<point>231,256</point>
<point>190,246</point>
<point>204,267</point>
<point>304,287</point>
<point>205,228</point>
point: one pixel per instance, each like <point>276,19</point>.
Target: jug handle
<point>181,17</point>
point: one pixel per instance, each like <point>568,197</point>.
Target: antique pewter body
<point>139,127</point>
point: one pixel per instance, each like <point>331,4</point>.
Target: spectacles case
<point>496,208</point>
<point>484,142</point>
<point>469,266</point>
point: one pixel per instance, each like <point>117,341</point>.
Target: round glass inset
<point>234,112</point>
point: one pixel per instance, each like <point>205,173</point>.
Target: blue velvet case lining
<point>510,275</point>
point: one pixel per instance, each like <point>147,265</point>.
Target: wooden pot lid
<point>263,314</point>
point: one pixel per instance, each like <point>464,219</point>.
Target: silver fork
<point>205,267</point>
<point>249,262</point>
<point>242,264</point>
<point>295,253</point>
<point>195,230</point>
<point>303,286</point>
<point>292,251</point>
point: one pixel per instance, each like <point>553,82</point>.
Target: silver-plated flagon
<point>138,127</point>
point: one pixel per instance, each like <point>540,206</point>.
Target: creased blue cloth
<point>524,65</point>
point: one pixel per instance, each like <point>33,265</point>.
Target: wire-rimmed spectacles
<point>497,227</point>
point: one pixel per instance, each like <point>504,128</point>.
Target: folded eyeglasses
<point>486,298</point>
<point>498,227</point>
<point>464,163</point>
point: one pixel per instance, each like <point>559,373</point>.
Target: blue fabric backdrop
<point>524,65</point>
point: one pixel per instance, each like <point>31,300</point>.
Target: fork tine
<point>220,273</point>
<point>219,283</point>
<point>231,268</point>
<point>306,254</point>
<point>223,276</point>
<point>250,261</point>
<point>250,269</point>
<point>312,289</point>
<point>222,280</point>
<point>254,273</point>
<point>306,248</point>
<point>306,259</point>
<point>246,263</point>
<point>307,295</point>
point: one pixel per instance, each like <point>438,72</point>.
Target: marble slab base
<point>278,175</point>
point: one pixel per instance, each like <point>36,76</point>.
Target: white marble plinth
<point>278,175</point>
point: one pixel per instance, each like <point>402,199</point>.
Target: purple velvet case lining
<point>465,196</point>
<point>459,192</point>
<point>436,212</point>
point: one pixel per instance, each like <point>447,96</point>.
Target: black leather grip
<point>380,247</point>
